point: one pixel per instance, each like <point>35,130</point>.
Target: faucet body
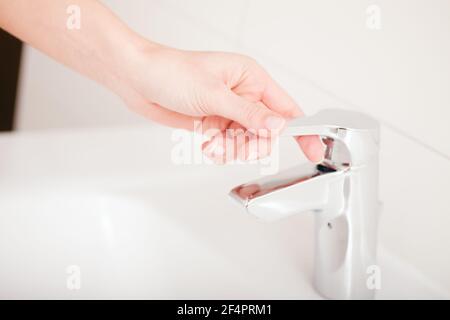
<point>342,192</point>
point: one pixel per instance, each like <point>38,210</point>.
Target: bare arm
<point>98,49</point>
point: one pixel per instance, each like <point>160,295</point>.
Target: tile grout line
<point>414,139</point>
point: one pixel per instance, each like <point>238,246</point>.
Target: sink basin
<point>112,205</point>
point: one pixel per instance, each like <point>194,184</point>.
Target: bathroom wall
<point>326,54</point>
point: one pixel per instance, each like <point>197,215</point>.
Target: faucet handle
<point>351,137</point>
<point>330,119</point>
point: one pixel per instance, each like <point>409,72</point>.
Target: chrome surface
<point>342,192</point>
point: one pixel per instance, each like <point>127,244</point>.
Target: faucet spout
<point>300,189</point>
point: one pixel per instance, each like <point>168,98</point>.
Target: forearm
<point>100,49</point>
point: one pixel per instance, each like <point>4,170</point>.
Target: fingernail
<point>274,123</point>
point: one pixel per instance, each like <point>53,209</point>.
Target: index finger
<point>278,100</point>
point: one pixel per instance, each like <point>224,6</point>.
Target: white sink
<point>111,203</point>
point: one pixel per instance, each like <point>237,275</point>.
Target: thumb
<point>253,116</point>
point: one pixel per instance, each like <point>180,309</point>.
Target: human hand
<point>222,90</point>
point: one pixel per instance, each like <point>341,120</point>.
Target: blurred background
<point>388,58</point>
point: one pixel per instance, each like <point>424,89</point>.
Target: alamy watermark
<point>373,17</point>
<point>73,280</point>
<point>373,281</point>
<point>232,146</point>
<point>73,21</point>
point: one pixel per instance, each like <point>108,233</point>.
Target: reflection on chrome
<point>247,192</point>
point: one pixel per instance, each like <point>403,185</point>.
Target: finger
<point>250,146</point>
<point>278,100</point>
<point>243,144</point>
<point>236,143</point>
<point>313,147</point>
<point>213,125</point>
<point>253,116</point>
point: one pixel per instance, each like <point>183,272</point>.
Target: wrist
<point>126,61</point>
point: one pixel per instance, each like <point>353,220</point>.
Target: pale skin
<point>166,85</point>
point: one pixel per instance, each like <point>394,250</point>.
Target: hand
<point>222,90</point>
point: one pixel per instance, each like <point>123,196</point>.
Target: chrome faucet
<point>342,192</point>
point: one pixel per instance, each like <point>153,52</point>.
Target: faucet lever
<point>329,121</point>
<point>351,137</point>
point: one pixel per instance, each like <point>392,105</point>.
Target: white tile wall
<point>414,189</point>
<point>323,54</point>
<point>52,96</point>
<point>225,17</point>
<point>400,73</point>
